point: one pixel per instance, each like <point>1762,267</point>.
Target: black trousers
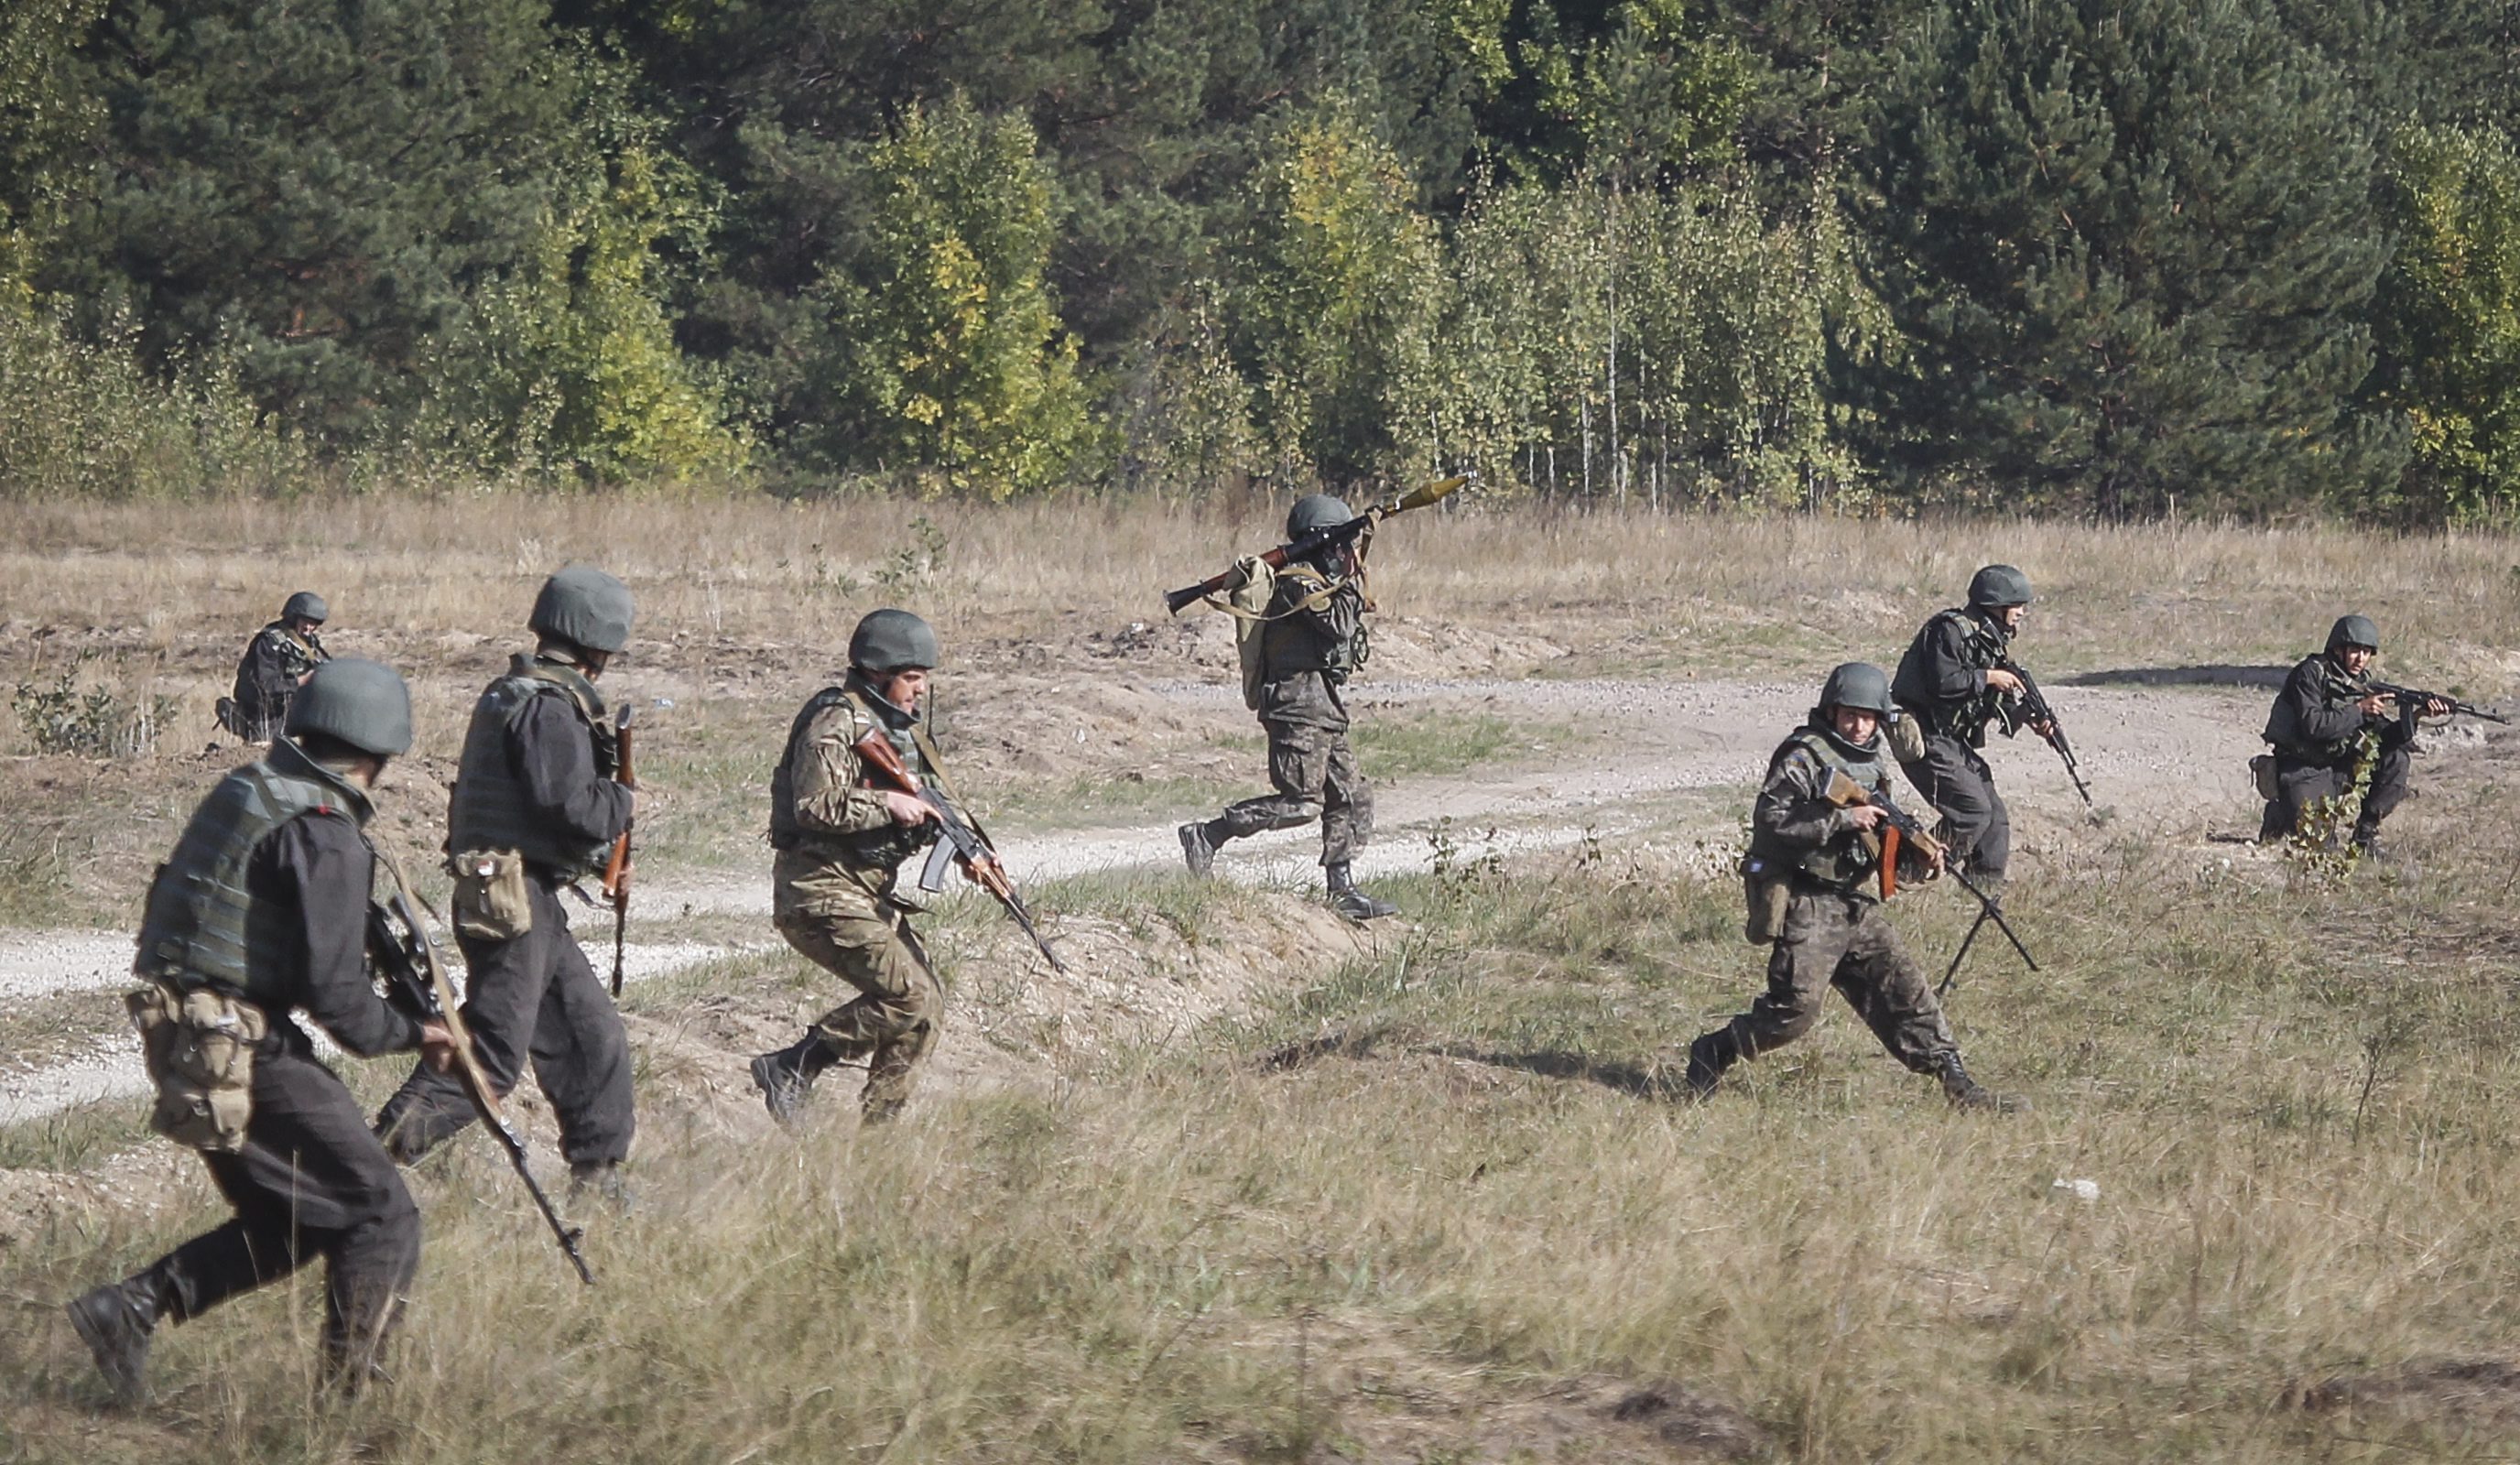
<point>311,1181</point>
<point>2300,783</point>
<point>533,998</point>
<point>1956,781</point>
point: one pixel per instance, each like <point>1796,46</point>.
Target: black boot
<point>1199,848</point>
<point>787,1077</point>
<point>1350,901</point>
<point>1708,1058</point>
<point>114,1321</point>
<point>601,1179</point>
<point>1967,1092</point>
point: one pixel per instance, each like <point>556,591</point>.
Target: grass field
<point>1267,1194</point>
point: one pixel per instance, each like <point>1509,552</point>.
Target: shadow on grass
<point>2268,677</point>
<point>1549,1063</point>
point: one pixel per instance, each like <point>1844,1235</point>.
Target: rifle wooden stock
<point>617,870</point>
<point>1896,829</point>
<point>1176,601</point>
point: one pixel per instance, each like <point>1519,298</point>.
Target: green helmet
<point>892,640</point>
<point>363,703</point>
<point>306,605</point>
<point>1998,586</point>
<point>1313,512</point>
<point>1856,685</point>
<point>585,606</point>
<point>2354,631</point>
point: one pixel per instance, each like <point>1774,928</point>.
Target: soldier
<point>2318,728</point>
<point>535,808</point>
<point>276,663</point>
<point>842,836</point>
<point>1312,640</point>
<point>261,910</point>
<point>1833,932</point>
<point>1949,683</point>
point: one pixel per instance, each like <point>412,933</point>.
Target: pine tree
<point>2131,243</point>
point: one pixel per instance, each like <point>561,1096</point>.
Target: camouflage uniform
<point>1309,651</point>
<point>838,858</point>
<point>2317,730</point>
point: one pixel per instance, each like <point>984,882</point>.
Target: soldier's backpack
<point>1247,597</point>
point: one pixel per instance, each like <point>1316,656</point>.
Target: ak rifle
<point>1320,540</point>
<point>417,984</point>
<point>2410,698</point>
<point>962,841</point>
<point>617,870</point>
<point>1846,793</point>
<point>2032,710</point>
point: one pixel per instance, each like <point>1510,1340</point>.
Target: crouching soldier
<point>1311,638</point>
<point>841,831</point>
<point>275,664</point>
<point>261,910</point>
<point>535,807</point>
<point>2324,720</point>
<point>1809,868</point>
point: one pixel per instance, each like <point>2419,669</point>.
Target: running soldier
<point>1948,683</point>
<point>2325,720</point>
<point>1312,640</point>
<point>1809,868</point>
<point>262,909</point>
<point>841,835</point>
<point>276,663</point>
<point>534,809</point>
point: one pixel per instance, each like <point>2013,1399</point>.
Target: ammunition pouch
<point>199,1047</point>
<point>491,901</point>
<point>1906,736</point>
<point>1766,889</point>
<point>2262,776</point>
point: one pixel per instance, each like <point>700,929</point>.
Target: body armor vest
<point>1846,861</point>
<point>489,809</point>
<point>869,849</point>
<point>202,927</point>
<point>1291,643</point>
<point>2337,687</point>
<point>1982,647</point>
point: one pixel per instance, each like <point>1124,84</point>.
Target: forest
<point>2108,259</point>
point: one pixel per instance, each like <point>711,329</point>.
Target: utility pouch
<point>1765,890</point>
<point>491,901</point>
<point>2261,774</point>
<point>199,1047</point>
<point>1907,738</point>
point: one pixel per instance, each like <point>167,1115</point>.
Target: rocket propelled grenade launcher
<point>1313,543</point>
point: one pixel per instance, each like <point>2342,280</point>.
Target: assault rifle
<point>416,982</point>
<point>1315,543</point>
<point>1900,824</point>
<point>2409,698</point>
<point>2031,710</point>
<point>961,839</point>
<point>617,870</point>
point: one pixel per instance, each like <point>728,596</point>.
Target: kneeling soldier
<point>1832,932</point>
<point>841,835</point>
<point>261,910</point>
<point>276,663</point>
<point>2318,729</point>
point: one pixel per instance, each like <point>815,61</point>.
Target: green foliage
<point>2450,321</point>
<point>2132,246</point>
<point>89,722</point>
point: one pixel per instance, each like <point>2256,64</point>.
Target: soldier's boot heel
<point>1350,901</point>
<point>1708,1058</point>
<point>1198,850</point>
<point>114,1321</point>
<point>1966,1092</point>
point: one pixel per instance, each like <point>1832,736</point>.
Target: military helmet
<point>1313,512</point>
<point>2354,631</point>
<point>1998,586</point>
<point>1859,686</point>
<point>892,640</point>
<point>307,604</point>
<point>361,702</point>
<point>585,606</point>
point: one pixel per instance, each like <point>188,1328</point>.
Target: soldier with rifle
<point>276,663</point>
<point>262,911</point>
<point>1824,833</point>
<point>859,789</point>
<point>537,807</point>
<point>1302,607</point>
<point>1957,679</point>
<point>2328,719</point>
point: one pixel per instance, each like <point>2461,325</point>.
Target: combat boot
<point>601,1180</point>
<point>787,1077</point>
<point>1708,1058</point>
<point>1350,901</point>
<point>1198,850</point>
<point>1967,1092</point>
<point>114,1321</point>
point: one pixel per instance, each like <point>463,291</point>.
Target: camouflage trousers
<point>1314,774</point>
<point>1846,942</point>
<point>865,941</point>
